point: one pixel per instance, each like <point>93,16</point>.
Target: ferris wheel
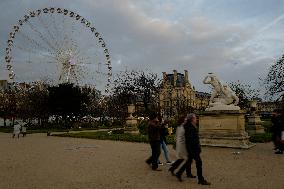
<point>60,46</point>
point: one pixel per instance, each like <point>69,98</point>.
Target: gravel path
<point>38,161</point>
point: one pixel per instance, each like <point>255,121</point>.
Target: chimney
<point>164,77</point>
<point>186,77</point>
<point>175,77</point>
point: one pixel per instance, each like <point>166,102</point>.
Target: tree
<point>274,80</point>
<point>137,86</point>
<point>93,101</point>
<point>8,105</point>
<point>67,101</point>
<point>116,107</point>
<point>245,93</point>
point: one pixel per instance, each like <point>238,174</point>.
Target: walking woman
<point>193,149</point>
<point>181,151</point>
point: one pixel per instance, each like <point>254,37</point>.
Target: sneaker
<point>161,164</point>
<point>169,163</point>
<point>204,182</point>
<point>179,177</point>
<point>279,152</point>
<point>275,149</point>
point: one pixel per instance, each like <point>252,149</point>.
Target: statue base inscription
<point>223,128</point>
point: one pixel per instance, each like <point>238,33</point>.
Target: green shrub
<point>171,139</point>
<point>143,127</point>
<point>267,125</point>
<point>260,138</point>
<point>103,135</point>
<point>118,131</point>
<point>117,124</point>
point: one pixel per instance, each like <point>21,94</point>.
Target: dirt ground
<point>38,161</point>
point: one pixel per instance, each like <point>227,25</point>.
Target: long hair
<point>181,120</point>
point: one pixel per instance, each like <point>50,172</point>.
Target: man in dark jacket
<point>277,129</point>
<point>193,149</point>
<point>154,134</point>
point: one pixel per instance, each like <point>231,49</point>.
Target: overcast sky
<point>236,39</point>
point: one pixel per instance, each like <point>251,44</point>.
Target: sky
<point>235,39</point>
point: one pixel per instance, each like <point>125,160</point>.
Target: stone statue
<point>222,96</point>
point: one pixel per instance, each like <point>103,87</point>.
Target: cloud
<point>165,35</point>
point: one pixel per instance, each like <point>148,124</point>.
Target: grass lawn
<point>104,135</point>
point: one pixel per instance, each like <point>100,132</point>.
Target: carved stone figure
<point>222,96</point>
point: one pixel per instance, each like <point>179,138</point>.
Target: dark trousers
<point>198,163</point>
<point>177,163</point>
<point>156,151</point>
<point>274,139</point>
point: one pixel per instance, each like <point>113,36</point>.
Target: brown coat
<point>154,131</point>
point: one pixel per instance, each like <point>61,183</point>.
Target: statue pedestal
<point>223,128</point>
<point>131,124</point>
<point>254,125</point>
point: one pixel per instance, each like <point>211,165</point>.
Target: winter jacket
<point>192,140</point>
<point>181,151</point>
<point>154,131</point>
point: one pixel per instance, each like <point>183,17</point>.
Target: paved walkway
<point>42,162</point>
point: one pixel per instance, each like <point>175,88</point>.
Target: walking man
<point>193,149</point>
<point>154,134</point>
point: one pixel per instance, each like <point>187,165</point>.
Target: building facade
<point>176,94</point>
<point>3,85</point>
<point>201,100</point>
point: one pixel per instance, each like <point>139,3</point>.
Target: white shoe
<point>161,164</point>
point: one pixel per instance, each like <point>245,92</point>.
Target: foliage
<point>260,138</point>
<point>8,105</point>
<point>68,102</point>
<point>136,87</point>
<point>103,135</point>
<point>274,80</point>
<point>267,125</point>
<point>245,93</point>
<point>116,105</point>
<point>173,124</point>
<point>143,127</point>
<point>118,131</point>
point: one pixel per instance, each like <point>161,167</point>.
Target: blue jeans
<point>166,152</point>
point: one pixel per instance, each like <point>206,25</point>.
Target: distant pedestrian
<point>193,149</point>
<point>17,129</point>
<point>24,130</point>
<point>154,134</point>
<point>277,130</point>
<point>164,133</point>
